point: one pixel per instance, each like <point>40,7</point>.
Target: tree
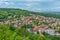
<point>27,26</point>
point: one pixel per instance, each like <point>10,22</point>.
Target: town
<point>38,23</point>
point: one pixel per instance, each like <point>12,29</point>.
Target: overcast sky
<point>35,5</point>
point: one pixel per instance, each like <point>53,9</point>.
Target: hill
<point>12,11</point>
<point>18,24</point>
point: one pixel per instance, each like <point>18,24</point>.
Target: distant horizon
<point>30,10</point>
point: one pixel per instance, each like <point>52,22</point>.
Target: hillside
<point>11,11</point>
<point>19,17</point>
<point>49,14</point>
<point>17,24</point>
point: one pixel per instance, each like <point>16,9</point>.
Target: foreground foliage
<point>10,33</point>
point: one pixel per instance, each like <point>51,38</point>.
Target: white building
<point>50,31</point>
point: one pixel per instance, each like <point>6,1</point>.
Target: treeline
<point>53,15</point>
<point>11,12</point>
<point>5,13</point>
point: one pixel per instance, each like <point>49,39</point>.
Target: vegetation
<point>27,26</point>
<point>54,15</point>
<point>10,33</point>
<point>5,13</point>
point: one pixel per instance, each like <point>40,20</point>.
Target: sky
<point>32,5</point>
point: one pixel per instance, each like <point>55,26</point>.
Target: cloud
<point>57,3</point>
<point>38,0</point>
<point>7,3</point>
<point>31,4</point>
<point>36,5</point>
<point>55,8</point>
<point>30,0</point>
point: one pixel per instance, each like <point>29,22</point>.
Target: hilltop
<point>13,11</point>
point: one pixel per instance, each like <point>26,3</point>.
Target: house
<point>50,31</point>
<point>7,22</point>
<point>43,28</point>
<point>1,23</point>
<point>40,30</point>
<point>35,29</point>
<point>30,30</point>
<point>58,34</point>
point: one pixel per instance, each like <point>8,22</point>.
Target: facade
<point>50,31</point>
